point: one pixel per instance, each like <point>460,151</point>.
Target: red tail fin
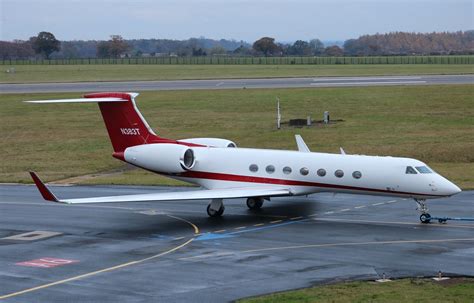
<point>125,124</point>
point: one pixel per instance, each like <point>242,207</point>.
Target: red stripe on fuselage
<point>251,179</point>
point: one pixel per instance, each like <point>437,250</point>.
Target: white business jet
<point>227,172</point>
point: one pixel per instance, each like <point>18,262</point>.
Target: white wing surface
<point>230,193</point>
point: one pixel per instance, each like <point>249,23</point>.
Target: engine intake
<point>161,157</point>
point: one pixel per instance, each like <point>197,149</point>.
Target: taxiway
<point>235,83</point>
<point>172,252</point>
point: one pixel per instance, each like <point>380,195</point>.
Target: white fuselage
<point>230,168</point>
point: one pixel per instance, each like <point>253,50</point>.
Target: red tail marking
<point>124,123</point>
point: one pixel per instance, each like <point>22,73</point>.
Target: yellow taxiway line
<point>108,269</point>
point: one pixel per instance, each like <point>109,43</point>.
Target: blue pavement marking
<point>265,227</point>
<point>211,236</point>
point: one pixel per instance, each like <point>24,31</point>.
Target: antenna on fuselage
<point>278,113</point>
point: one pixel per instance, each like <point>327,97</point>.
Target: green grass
<point>405,290</point>
<point>107,72</point>
<point>432,123</point>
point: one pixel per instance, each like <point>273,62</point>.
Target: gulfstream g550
<point>226,172</point>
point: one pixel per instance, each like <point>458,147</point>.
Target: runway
<point>172,252</point>
<point>236,83</point>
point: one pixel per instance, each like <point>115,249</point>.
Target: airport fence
<point>227,60</point>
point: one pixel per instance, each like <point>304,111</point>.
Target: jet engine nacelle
<point>211,142</point>
<point>161,157</point>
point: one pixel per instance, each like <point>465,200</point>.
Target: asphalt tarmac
<point>172,252</point>
<point>236,83</point>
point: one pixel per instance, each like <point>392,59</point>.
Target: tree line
<point>45,45</point>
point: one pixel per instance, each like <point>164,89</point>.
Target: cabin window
<point>287,170</point>
<point>410,170</point>
<point>304,171</point>
<point>270,169</point>
<point>321,172</point>
<point>253,168</point>
<point>357,174</point>
<point>339,173</point>
<point>423,169</point>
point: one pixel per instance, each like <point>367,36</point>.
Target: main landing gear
<point>216,208</point>
<point>254,203</point>
<point>425,217</point>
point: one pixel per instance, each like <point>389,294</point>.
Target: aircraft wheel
<point>213,213</point>
<point>254,203</point>
<point>425,218</point>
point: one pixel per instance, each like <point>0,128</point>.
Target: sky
<point>246,20</point>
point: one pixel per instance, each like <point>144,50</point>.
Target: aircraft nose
<point>451,189</point>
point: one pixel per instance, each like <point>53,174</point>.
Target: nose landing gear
<point>425,217</point>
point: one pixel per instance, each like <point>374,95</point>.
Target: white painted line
<point>380,203</point>
<point>150,212</point>
<point>178,238</point>
<point>368,82</point>
<point>345,209</point>
<point>276,221</point>
<point>366,78</point>
<point>360,206</point>
<point>329,212</point>
<point>219,84</point>
<point>241,227</point>
<point>393,201</point>
<point>33,235</point>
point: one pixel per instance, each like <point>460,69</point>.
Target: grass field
<point>405,290</point>
<point>107,72</point>
<point>432,123</point>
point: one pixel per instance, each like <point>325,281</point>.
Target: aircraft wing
<point>302,147</point>
<point>242,192</point>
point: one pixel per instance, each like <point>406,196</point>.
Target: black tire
<point>221,211</point>
<point>425,218</point>
<point>214,214</point>
<point>254,203</point>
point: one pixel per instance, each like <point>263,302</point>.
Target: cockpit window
<point>410,170</point>
<point>423,169</point>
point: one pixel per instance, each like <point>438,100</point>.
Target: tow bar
<point>445,219</point>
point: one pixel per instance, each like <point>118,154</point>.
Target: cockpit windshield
<point>410,170</point>
<point>423,169</point>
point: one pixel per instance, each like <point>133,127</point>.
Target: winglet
<point>302,147</point>
<point>44,191</point>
